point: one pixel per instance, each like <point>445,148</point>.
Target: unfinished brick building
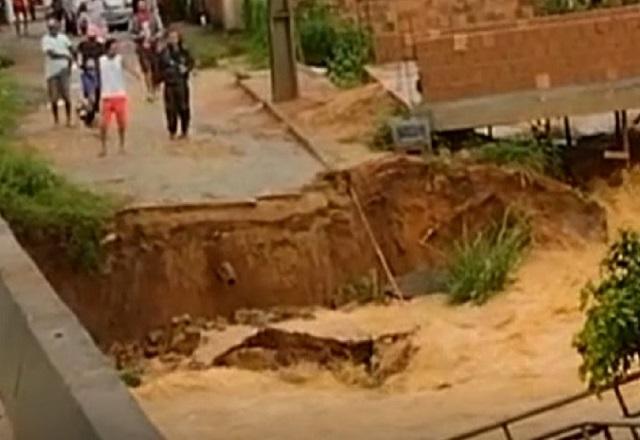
<point>395,21</point>
<point>548,66</point>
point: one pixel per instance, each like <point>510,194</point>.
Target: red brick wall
<point>395,22</point>
<point>540,53</point>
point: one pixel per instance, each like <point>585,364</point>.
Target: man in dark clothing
<point>176,63</point>
<point>90,51</point>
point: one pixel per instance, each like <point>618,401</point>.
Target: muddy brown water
<point>299,249</point>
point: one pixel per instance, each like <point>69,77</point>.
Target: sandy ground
<point>338,122</point>
<point>236,148</point>
<point>475,365</point>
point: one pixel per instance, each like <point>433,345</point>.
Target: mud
<point>299,249</point>
<point>274,349</point>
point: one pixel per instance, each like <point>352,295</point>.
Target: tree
<point>609,342</point>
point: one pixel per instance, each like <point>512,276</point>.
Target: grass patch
<point>481,265</point>
<point>540,157</point>
<point>38,203</point>
<point>208,46</point>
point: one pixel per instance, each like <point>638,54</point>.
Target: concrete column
<point>284,76</point>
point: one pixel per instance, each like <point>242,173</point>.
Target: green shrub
<point>323,38</point>
<point>37,203</point>
<point>481,265</point>
<point>256,21</point>
<point>317,32</point>
<point>609,341</point>
<point>351,52</point>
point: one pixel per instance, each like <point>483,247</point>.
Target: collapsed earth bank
<point>299,249</point>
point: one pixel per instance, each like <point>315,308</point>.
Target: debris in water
<point>273,349</point>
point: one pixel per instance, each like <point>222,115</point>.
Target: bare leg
<point>121,136</point>
<point>54,111</point>
<point>103,140</point>
<point>148,82</point>
<point>67,109</point>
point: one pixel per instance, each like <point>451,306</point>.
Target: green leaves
<point>481,266</point>
<point>351,52</point>
<point>609,342</point>
<point>325,39</point>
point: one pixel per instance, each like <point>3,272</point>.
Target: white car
<point>118,13</point>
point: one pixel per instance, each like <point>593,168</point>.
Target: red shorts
<point>114,106</point>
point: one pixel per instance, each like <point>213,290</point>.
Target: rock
<point>254,359</point>
<point>185,342</point>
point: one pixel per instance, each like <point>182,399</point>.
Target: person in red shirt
<point>21,11</point>
<point>146,30</point>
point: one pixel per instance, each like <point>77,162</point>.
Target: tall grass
<point>482,264</point>
<point>525,153</point>
<point>38,203</point>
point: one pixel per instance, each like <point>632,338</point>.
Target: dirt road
<point>236,149</point>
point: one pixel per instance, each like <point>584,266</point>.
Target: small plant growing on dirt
<point>382,137</point>
<point>481,265</point>
<point>361,291</point>
<point>131,378</point>
<point>609,341</point>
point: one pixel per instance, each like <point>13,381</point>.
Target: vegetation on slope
<point>39,203</point>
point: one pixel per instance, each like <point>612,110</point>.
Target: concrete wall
<point>54,382</point>
<point>539,54</point>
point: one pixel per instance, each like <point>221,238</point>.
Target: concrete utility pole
<point>284,76</point>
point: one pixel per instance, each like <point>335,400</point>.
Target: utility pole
<point>284,74</point>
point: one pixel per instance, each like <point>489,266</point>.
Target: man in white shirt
<point>113,94</point>
<point>59,56</point>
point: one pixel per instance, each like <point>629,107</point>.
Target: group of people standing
<point>163,61</point>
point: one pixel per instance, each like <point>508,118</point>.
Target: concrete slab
<point>400,79</point>
<point>524,106</point>
<point>53,379</point>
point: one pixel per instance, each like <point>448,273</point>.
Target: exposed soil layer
<point>298,249</point>
<point>272,349</point>
<point>474,365</point>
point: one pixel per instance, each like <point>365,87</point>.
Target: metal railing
<point>505,425</point>
<point>588,430</point>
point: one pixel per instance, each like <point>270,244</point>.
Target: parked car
<point>118,14</point>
